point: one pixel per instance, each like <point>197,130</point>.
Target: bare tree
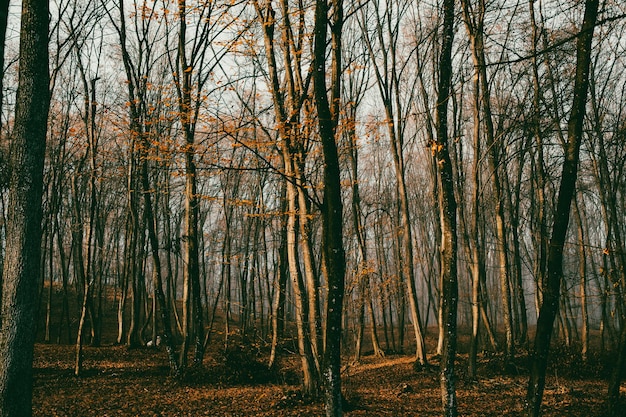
<point>551,288</point>
<point>290,101</point>
<point>193,57</point>
<point>447,213</point>
<point>389,71</point>
<point>355,88</point>
<point>474,21</point>
<point>332,207</point>
<point>143,124</point>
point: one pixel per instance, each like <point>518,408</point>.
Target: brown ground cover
<point>122,382</point>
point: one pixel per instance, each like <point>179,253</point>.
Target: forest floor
<point>120,382</point>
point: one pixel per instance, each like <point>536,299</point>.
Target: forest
<point>312,207</point>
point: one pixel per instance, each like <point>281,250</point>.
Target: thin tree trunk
<point>363,275</point>
<point>582,268</point>
<point>50,242</point>
<point>310,274</point>
<point>388,85</point>
<point>191,293</point>
<point>65,309</point>
<point>288,102</point>
<point>448,216</point>
<point>159,302</point>
<point>478,260</point>
<point>310,370</point>
<point>540,235</point>
<point>278,307</point>
<point>474,21</point>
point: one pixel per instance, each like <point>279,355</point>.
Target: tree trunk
<point>478,270</point>
<point>288,102</point>
<point>551,288</point>
<point>191,294</point>
<point>474,21</point>
<point>65,309</point>
<point>160,302</point>
<point>332,207</point>
<point>540,234</point>
<point>280,290</point>
<point>447,213</point>
<point>21,270</point>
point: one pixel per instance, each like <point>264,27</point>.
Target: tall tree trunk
<point>280,290</point>
<point>87,274</point>
<point>582,268</point>
<point>552,284</point>
<point>541,233</point>
<point>21,269</point>
<point>192,294</point>
<point>474,22</point>
<point>81,275</point>
<point>447,216</point>
<point>332,207</point>
<point>288,101</point>
<point>363,274</point>
<point>478,270</point>
<point>311,276</point>
<point>310,381</point>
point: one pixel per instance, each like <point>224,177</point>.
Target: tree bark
<point>551,288</point>
<point>447,215</point>
<point>540,234</point>
<point>332,208</point>
<point>21,270</point>
<point>388,81</point>
<point>192,306</point>
<point>280,286</point>
<point>288,101</point>
<point>474,22</point>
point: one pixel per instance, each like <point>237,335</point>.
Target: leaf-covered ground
<point>121,382</point>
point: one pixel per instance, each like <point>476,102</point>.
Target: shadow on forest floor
<point>236,382</point>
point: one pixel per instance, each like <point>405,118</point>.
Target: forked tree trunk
<point>288,101</point>
<point>478,270</point>
<point>474,22</point>
<point>310,381</point>
<point>388,82</point>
